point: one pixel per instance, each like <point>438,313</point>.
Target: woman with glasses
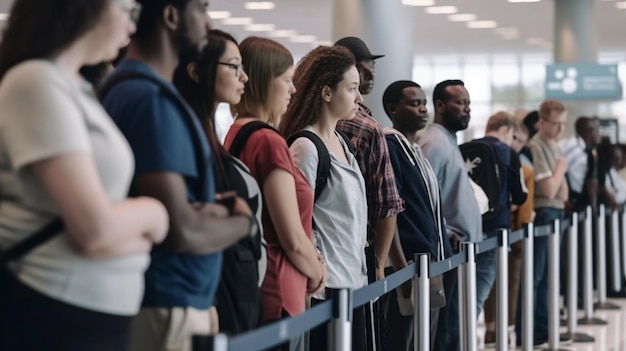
<point>217,76</point>
<point>293,266</point>
<point>62,157</point>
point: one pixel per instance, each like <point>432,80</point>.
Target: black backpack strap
<point>323,167</point>
<point>23,247</point>
<point>189,117</point>
<point>244,133</point>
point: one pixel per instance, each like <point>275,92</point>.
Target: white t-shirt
<point>43,114</point>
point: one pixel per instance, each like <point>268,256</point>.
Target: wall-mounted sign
<point>582,81</point>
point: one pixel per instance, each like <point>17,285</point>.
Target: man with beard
<point>420,226</point>
<point>173,165</point>
<point>460,209</point>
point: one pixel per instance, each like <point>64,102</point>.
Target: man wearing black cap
<point>383,201</point>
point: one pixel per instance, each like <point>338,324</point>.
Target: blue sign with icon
<point>583,81</point>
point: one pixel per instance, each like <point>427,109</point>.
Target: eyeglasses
<point>133,9</point>
<point>238,67</point>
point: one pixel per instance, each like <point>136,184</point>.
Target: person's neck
<point>439,120</point>
<point>549,139</point>
<point>70,61</point>
<point>325,127</point>
<point>493,135</point>
<point>160,56</point>
<point>409,135</point>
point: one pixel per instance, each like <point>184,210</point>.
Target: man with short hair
<point>173,165</point>
<point>460,209</point>
<point>551,193</point>
<point>420,226</point>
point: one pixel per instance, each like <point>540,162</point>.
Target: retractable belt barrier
<point>337,309</point>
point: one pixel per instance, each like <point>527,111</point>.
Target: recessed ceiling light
<point>259,5</point>
<point>237,21</point>
<point>303,39</point>
<point>482,24</point>
<point>621,5</point>
<point>441,10</point>
<point>218,14</point>
<point>524,0</point>
<point>257,27</point>
<point>536,41</point>
<point>418,2</point>
<point>462,17</point>
<point>323,43</point>
<point>4,16</point>
<point>282,33</point>
<point>507,31</point>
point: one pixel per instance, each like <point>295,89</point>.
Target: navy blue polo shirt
<point>161,140</point>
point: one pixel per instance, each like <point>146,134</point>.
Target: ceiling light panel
<point>257,27</point>
<point>418,2</point>
<point>218,14</point>
<point>482,24</point>
<point>441,10</point>
<point>259,5</point>
<point>237,21</point>
<point>462,17</point>
<point>621,5</point>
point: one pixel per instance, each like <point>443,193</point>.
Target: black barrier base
<point>202,343</point>
<point>606,306</point>
<point>592,321</point>
<point>580,337</point>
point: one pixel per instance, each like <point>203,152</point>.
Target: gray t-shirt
<point>545,155</point>
<point>46,114</point>
<point>339,215</point>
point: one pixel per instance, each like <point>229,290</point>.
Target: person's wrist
<point>253,225</point>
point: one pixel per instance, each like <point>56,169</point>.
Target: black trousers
<point>31,321</point>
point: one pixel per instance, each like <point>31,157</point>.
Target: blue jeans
<point>485,275</point>
<point>543,216</point>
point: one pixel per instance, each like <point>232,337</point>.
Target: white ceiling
<point>435,34</point>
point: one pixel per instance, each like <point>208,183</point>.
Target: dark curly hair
<point>39,29</point>
<point>323,66</point>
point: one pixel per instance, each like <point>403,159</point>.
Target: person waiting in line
<point>512,191</point>
<point>530,121</point>
<point>327,90</point>
<point>172,164</point>
<point>294,268</point>
<point>420,226</point>
<point>612,186</point>
<point>519,216</point>
<point>64,158</point>
<point>580,152</point>
<point>460,210</point>
<point>217,76</point>
<point>551,193</point>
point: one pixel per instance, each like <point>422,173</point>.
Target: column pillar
<point>576,41</point>
<point>387,27</point>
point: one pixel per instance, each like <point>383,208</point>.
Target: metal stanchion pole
<point>601,263</point>
<point>462,290</point>
<point>553,286</point>
<point>589,319</point>
<point>528,307</point>
<point>340,328</point>
<point>572,284</point>
<point>469,280</point>
<point>421,303</point>
<point>623,242</point>
<point>502,290</point>
<point>616,268</point>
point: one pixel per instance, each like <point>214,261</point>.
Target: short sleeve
<point>540,162</point>
<point>156,132</point>
<point>266,151</point>
<point>40,118</point>
<point>306,158</point>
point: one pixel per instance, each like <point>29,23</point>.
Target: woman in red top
<point>293,266</point>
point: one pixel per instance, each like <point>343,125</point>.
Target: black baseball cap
<point>358,48</point>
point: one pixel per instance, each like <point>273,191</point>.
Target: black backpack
<point>485,167</point>
<point>323,167</point>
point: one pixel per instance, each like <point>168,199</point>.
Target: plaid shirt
<point>383,199</point>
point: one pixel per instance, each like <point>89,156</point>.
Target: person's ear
<point>439,106</point>
<point>171,17</point>
<point>192,72</point>
<point>326,93</point>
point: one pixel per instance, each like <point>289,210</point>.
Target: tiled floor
<point>611,337</point>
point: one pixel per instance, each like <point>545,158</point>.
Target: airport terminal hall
<point>327,175</point>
